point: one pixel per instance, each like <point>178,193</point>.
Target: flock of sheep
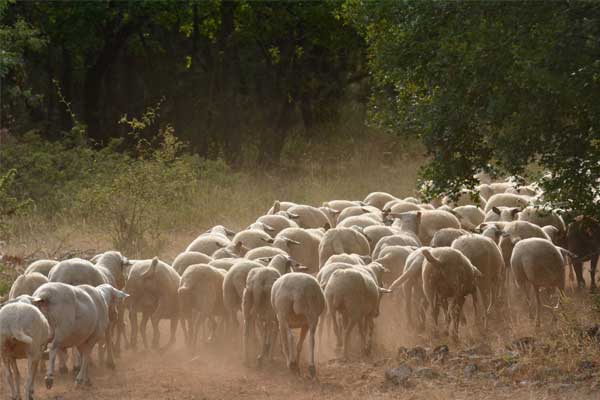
<point>304,267</point>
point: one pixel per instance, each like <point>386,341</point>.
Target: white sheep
<point>376,232</point>
<point>393,258</point>
<point>301,245</point>
<point>223,263</point>
<point>378,199</point>
<point>537,263</point>
<point>264,251</point>
<point>41,266</point>
<point>503,214</point>
<point>77,271</point>
<point>400,206</point>
<point>543,217</point>
<point>187,258</point>
<point>209,243</point>
<point>152,286</point>
<point>342,240</point>
<point>279,206</point>
<point>234,284</point>
<point>507,200</point>
<point>349,259</point>
<point>26,284</point>
<point>277,223</point>
<point>444,237</point>
<point>430,221</point>
<point>361,221</point>
<point>355,211</point>
<point>201,298</point>
<point>308,216</point>
<point>251,239</point>
<point>298,302</point>
<point>24,333</point>
<point>469,216</point>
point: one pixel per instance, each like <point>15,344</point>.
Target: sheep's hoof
<point>312,370</point>
<point>49,382</point>
<point>593,289</point>
<point>294,367</point>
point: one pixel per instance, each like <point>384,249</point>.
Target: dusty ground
<point>557,365</point>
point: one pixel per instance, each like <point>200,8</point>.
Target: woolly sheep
<point>537,262</point>
<point>26,284</point>
<point>469,216</point>
<point>77,271</point>
<point>504,214</point>
<point>251,239</point>
<point>485,255</point>
<point>301,245</point>
<point>342,240</point>
<point>264,251</point>
<point>522,229</point>
<point>187,258</point>
<point>378,199</point>
<point>355,296</point>
<point>398,239</point>
<point>488,190</point>
<point>355,211</point>
<point>200,295</point>
<point>448,274</point>
<point>349,259</point>
<point>277,222</point>
<point>233,287</point>
<point>279,206</point>
<point>376,232</point>
<point>152,286</point>
<point>444,237</point>
<point>432,221</point>
<point>506,200</point>
<point>393,258</point>
<point>400,206</point>
<point>41,266</point>
<point>340,205</point>
<point>113,265</point>
<point>361,221</point>
<point>298,302</point>
<point>223,263</point>
<point>542,217</point>
<point>208,243</point>
<point>24,332</point>
<point>308,216</point>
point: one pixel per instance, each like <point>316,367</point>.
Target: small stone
<point>399,375</point>
<point>470,370</point>
<point>586,365</point>
<point>440,353</point>
<point>418,353</point>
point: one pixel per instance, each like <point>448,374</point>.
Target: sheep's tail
<point>409,274</point>
<point>21,336</point>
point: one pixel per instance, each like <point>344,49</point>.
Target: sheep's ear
<point>496,210</point>
<point>334,211</point>
<point>229,232</point>
<point>514,211</point>
<point>293,215</point>
<point>120,294</point>
<point>290,241</point>
<point>96,258</point>
<point>39,302</point>
<point>384,290</point>
<point>276,207</point>
<point>366,210</point>
<point>126,262</point>
<point>514,239</point>
<point>220,245</point>
<point>301,268</point>
<point>327,226</point>
<point>268,227</point>
<point>292,262</point>
<point>269,240</point>
<point>381,259</point>
<point>427,254</point>
<point>152,269</point>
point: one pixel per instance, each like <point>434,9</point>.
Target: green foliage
<point>9,205</point>
<point>505,84</point>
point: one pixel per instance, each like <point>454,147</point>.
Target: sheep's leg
<point>63,356</point>
<point>336,331</point>
<point>303,332</point>
<point>50,373</point>
<point>82,376</point>
<point>32,367</point>
<point>312,370</point>
<point>17,377</point>
<point>347,330</point>
<point>458,305</point>
<point>408,305</point>
<point>8,377</point>
<point>248,323</point>
<point>118,328</point>
<point>172,337</point>
<point>76,355</point>
<point>362,328</point>
<point>110,361</point>
<point>154,320</point>
<point>578,267</point>
<point>143,325</point>
<point>283,331</point>
<point>593,265</point>
<point>538,307</point>
<point>292,362</point>
<point>134,329</point>
<point>370,335</point>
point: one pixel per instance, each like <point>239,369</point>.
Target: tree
<point>506,84</point>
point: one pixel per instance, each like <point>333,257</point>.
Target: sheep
<point>200,296</point>
<point>398,239</point>
<point>583,239</point>
<point>223,263</point>
<point>543,217</point>
<point>356,211</point>
<point>308,216</point>
<point>233,287</point>
<point>537,262</point>
<point>251,239</point>
<point>362,221</point>
<point>487,190</point>
<point>301,245</point>
<point>342,240</point>
<point>374,269</point>
<point>208,243</point>
<point>355,295</point>
<point>77,271</point>
<point>506,200</point>
<point>41,266</point>
<point>349,259</point>
<point>400,206</point>
<point>26,284</point>
<point>257,308</point>
<point>264,251</point>
<point>340,205</point>
<point>465,197</point>
<point>469,216</point>
<point>24,333</point>
<point>447,273</point>
<point>318,233</point>
<point>277,223</point>
<point>220,230</point>
<point>522,229</point>
<point>393,258</point>
<point>279,206</point>
<point>231,251</point>
<point>298,302</point>
<point>431,221</point>
<point>187,258</point>
<point>504,214</point>
<point>529,190</point>
<point>485,255</point>
<point>378,199</point>
<point>376,232</point>
<point>554,234</point>
<point>113,265</point>
<point>152,286</point>
<point>105,298</point>
<point>73,318</point>
<point>444,237</point>
<point>332,215</point>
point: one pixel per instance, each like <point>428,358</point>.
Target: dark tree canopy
<point>505,84</point>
